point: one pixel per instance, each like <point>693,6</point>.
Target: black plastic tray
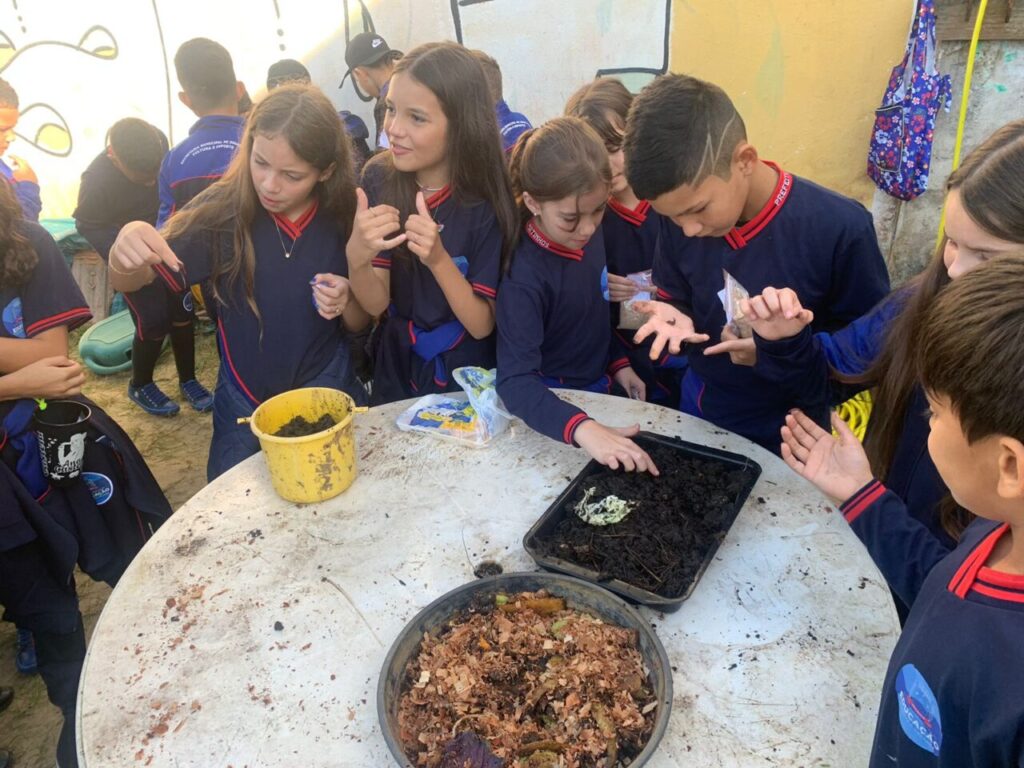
<point>558,510</point>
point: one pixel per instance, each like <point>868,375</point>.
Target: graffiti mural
<point>79,66</point>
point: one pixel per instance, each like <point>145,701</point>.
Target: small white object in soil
<point>609,510</point>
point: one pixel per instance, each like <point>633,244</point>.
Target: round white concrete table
<point>251,631</point>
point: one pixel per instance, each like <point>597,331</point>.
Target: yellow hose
<point>958,146</point>
<point>855,412</point>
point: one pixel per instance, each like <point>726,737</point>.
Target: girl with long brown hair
<point>266,243</point>
<point>435,226</point>
<point>554,327</point>
<point>984,218</point>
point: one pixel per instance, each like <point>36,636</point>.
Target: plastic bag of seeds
<point>731,296</point>
<point>629,317</point>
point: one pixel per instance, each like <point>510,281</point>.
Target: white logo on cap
<point>376,43</point>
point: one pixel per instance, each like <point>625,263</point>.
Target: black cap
<point>365,49</point>
<point>286,71</point>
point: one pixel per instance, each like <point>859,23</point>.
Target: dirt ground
<point>176,451</point>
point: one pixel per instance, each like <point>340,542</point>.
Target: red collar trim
<point>439,197</point>
<point>740,236</point>
<point>974,575</point>
<point>635,216</point>
<point>295,228</point>
<point>545,242</point>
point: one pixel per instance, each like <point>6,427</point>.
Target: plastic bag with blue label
<point>474,418</point>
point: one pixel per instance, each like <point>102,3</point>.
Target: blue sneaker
<point>25,660</point>
<point>152,400</point>
<point>198,396</point>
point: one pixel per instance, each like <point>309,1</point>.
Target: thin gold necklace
<point>287,251</point>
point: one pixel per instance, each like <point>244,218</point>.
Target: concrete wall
<point>807,76</point>
<point>908,231</point>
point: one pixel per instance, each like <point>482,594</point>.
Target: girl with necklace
<point>271,232</point>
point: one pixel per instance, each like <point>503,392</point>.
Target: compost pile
<point>302,427</point>
<point>539,684</point>
<point>674,521</point>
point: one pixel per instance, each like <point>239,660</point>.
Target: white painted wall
<point>81,65</point>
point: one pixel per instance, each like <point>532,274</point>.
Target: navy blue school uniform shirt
<point>48,299</point>
<point>953,695</point>
<point>291,343</point>
<point>197,161</point>
<point>808,238</point>
<point>107,200</point>
<point>553,326</point>
<point>471,235</point>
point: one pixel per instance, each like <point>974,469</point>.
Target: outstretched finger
<point>795,464</point>
<point>800,434</point>
<point>808,424</point>
<point>658,345</point>
<point>798,448</point>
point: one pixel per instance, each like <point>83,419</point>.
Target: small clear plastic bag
<point>629,317</point>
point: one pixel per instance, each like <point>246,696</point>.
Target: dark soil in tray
<point>300,427</point>
<point>663,543</point>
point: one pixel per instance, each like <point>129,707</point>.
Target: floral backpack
<point>901,142</point>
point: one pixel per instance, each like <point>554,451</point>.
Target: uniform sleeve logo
<point>13,319</point>
<point>186,301</point>
<point>919,710</point>
<point>462,264</point>
<point>604,285</point>
<point>100,486</point>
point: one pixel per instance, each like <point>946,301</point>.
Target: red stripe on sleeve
<point>618,365</point>
<point>572,425</point>
<point>853,507</point>
<point>71,318</point>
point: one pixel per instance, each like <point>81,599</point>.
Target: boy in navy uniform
<point>209,89</point>
<point>687,153</point>
<point>952,695</point>
<point>510,124</point>
<point>21,176</point>
<point>120,184</point>
<point>371,62</point>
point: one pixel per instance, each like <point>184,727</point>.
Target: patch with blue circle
<point>604,285</point>
<point>13,319</point>
<point>186,301</point>
<point>462,263</point>
<point>919,710</point>
<point>100,486</point>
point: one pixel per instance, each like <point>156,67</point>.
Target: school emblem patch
<point>13,319</point>
<point>919,710</point>
<point>186,301</point>
<point>100,486</point>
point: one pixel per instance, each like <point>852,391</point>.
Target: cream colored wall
<point>806,76</point>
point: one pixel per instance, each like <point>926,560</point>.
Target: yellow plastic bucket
<point>314,467</point>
